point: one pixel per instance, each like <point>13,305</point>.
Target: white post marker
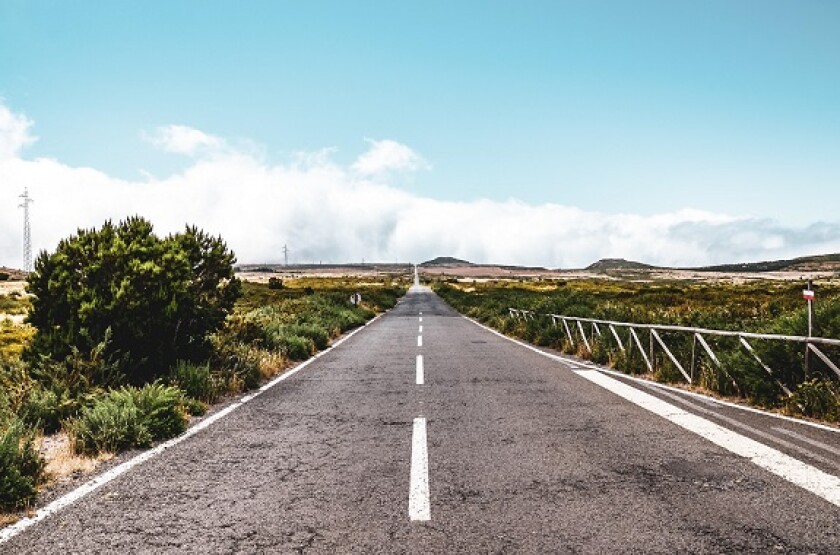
<point>420,375</point>
<point>419,340</point>
<point>418,493</point>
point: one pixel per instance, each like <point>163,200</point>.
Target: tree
<point>154,300</point>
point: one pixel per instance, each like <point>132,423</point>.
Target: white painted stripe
<point>793,470</point>
<point>808,440</point>
<point>421,318</point>
<point>418,492</point>
<point>11,531</point>
<point>420,375</point>
<point>421,313</point>
<point>584,364</point>
<point>420,330</point>
<point>419,340</point>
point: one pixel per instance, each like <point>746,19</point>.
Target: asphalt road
<point>524,454</point>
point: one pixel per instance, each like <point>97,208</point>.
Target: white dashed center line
<point>420,330</point>
<point>420,375</point>
<point>419,340</point>
<point>418,493</point>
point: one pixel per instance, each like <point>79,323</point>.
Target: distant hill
<point>14,275</point>
<point>617,264</point>
<point>821,263</point>
<point>446,261</point>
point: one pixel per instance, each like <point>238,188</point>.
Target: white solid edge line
<point>68,499</point>
<point>420,377</point>
<point>793,470</point>
<point>419,340</point>
<point>700,396</point>
<point>418,493</point>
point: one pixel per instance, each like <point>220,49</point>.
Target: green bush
<point>44,409</point>
<point>129,417</point>
<point>155,299</point>
<point>236,365</point>
<point>161,409</point>
<point>111,424</point>
<point>195,380</point>
<point>21,468</point>
<point>817,398</point>
<point>294,347</point>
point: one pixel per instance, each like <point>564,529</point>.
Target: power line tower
<point>27,232</point>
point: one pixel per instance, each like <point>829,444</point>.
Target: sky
<point>556,133</point>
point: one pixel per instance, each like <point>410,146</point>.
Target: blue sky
<point>634,108</point>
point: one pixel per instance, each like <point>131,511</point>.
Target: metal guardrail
<point>699,337</point>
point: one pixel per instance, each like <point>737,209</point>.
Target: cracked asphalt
<point>525,456</point>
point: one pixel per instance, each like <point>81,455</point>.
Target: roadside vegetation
<point>130,335</point>
<point>762,307</point>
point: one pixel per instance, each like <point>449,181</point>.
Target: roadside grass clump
<point>21,467</point>
<point>195,380</point>
<point>129,417</point>
<point>236,365</point>
<point>45,409</point>
<point>817,398</point>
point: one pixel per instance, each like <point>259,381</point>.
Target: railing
<point>700,335</point>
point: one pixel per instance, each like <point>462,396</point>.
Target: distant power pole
<point>27,232</point>
<point>285,255</point>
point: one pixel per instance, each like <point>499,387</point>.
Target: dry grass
<point>272,364</point>
<point>62,463</point>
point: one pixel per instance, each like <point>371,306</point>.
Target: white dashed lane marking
<point>420,374</point>
<point>418,494</point>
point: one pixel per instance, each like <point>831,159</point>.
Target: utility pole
<point>285,255</point>
<point>27,231</point>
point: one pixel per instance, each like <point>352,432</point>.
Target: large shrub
<point>155,300</point>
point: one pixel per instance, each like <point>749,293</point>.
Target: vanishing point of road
<point>426,433</point>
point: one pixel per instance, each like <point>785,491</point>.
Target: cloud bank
<point>332,213</point>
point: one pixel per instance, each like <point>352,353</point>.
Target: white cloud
<point>332,213</point>
<point>387,155</point>
<point>180,139</point>
<point>14,133</point>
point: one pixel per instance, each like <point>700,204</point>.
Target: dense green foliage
<point>766,307</point>
<point>21,469</point>
<point>155,300</point>
<point>129,417</point>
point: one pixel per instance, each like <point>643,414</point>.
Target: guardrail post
<point>583,336</point>
<point>824,358</point>
<point>617,338</point>
<point>668,352</point>
<point>767,369</point>
<point>635,337</point>
<point>568,332</point>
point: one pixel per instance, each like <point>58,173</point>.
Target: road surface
<point>425,433</point>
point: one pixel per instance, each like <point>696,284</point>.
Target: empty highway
<point>426,433</point>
